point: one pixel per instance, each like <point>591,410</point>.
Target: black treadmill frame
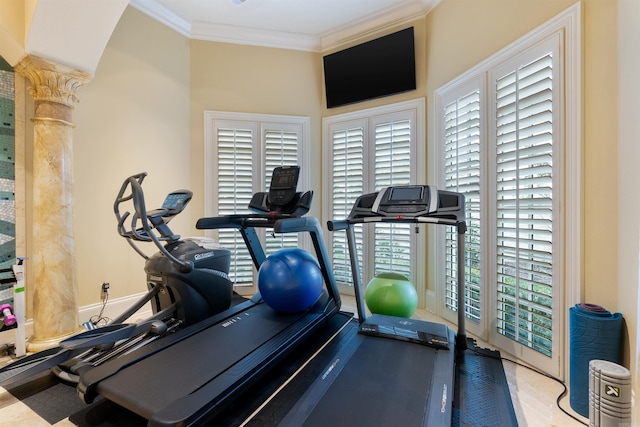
<point>461,227</point>
<point>447,217</point>
<point>318,405</point>
<point>204,403</point>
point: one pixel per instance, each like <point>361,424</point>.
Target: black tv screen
<point>380,67</point>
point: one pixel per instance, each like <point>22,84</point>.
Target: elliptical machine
<point>187,282</point>
<point>187,277</point>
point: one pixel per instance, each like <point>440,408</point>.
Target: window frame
<point>437,242</point>
<point>567,27</point>
<point>553,43</point>
<point>260,124</point>
<point>369,117</point>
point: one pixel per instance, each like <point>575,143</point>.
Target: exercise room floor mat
<point>51,399</point>
<point>482,396</point>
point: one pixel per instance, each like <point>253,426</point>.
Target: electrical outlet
<point>104,291</point>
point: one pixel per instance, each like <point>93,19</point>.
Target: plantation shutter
<point>524,203</point>
<point>462,174</point>
<point>364,152</point>
<point>392,166</point>
<point>530,193</point>
<point>235,189</point>
<point>280,149</point>
<point>347,185</point>
<point>241,151</point>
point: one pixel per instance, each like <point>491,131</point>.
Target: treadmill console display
<point>410,202</point>
<point>407,200</point>
<point>285,178</point>
<point>406,194</point>
<point>283,185</point>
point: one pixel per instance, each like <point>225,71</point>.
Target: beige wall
<point>144,110</point>
<point>462,33</point>
<point>249,79</point>
<point>12,19</point>
<point>13,27</point>
<point>601,153</point>
<point>132,117</point>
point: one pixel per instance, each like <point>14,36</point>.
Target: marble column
<point>51,256</point>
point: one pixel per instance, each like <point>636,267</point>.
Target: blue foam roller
<point>595,333</point>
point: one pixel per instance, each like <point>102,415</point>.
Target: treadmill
<point>188,377</point>
<point>383,370</point>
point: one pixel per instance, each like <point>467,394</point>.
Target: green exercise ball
<point>391,294</point>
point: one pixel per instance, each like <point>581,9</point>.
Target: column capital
<point>52,82</point>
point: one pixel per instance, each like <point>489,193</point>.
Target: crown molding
<point>353,32</point>
<point>369,25</point>
<point>254,37</point>
<point>163,15</point>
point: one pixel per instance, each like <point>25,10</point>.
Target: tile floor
<point>534,396</point>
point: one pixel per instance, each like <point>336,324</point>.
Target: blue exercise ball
<point>290,280</point>
<point>391,294</point>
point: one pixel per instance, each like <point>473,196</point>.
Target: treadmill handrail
<point>457,220</point>
<point>335,225</point>
<point>243,221</point>
<point>297,225</point>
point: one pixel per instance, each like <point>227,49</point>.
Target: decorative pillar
<point>51,257</point>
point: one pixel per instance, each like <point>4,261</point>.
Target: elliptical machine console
<point>188,276</point>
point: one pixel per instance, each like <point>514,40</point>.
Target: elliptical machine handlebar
<point>150,226</point>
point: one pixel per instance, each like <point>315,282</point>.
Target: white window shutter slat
<point>281,149</point>
<point>462,174</point>
<point>235,183</point>
<point>244,147</point>
<point>392,242</point>
<point>348,184</point>
<point>524,193</point>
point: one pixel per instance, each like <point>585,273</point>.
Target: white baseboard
<point>113,309</point>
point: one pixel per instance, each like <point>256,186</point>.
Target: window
<point>462,139</point>
<point>364,152</point>
<point>525,125</point>
<point>507,133</point>
<point>241,151</point>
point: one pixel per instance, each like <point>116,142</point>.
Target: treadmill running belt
<point>380,382</point>
<point>157,381</point>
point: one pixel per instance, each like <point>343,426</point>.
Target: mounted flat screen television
<point>377,68</point>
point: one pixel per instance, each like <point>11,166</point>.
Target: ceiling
<point>311,25</point>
